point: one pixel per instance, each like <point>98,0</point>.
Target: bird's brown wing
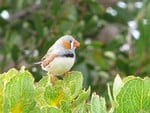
<point>46,60</point>
<point>49,52</point>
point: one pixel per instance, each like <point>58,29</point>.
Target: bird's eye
<point>70,41</point>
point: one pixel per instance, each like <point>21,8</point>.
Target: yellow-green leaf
<point>19,92</point>
<point>134,96</point>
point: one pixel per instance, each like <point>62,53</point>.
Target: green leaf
<point>65,107</point>
<point>36,110</point>
<point>134,96</point>
<point>117,86</point>
<point>1,91</point>
<point>81,98</point>
<point>48,109</point>
<point>80,108</point>
<point>39,91</point>
<point>53,110</point>
<point>74,83</point>
<point>98,104</point>
<point>110,96</point>
<point>4,79</point>
<point>9,75</point>
<point>53,95</point>
<point>19,92</point>
<point>43,82</point>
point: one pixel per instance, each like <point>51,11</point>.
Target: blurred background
<point>114,36</point>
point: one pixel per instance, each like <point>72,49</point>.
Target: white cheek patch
<point>72,45</point>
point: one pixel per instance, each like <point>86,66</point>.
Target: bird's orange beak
<point>76,43</point>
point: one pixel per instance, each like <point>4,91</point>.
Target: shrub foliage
<point>19,94</point>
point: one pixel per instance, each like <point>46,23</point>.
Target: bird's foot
<point>67,73</point>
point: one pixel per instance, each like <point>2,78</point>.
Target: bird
<point>61,56</point>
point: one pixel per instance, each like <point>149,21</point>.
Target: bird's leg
<point>52,78</point>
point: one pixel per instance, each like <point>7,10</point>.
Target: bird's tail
<point>38,63</point>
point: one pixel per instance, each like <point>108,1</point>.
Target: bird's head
<point>68,42</point>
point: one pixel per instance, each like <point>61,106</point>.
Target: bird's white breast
<point>60,65</point>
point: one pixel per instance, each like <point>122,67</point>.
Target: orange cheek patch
<point>66,44</point>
